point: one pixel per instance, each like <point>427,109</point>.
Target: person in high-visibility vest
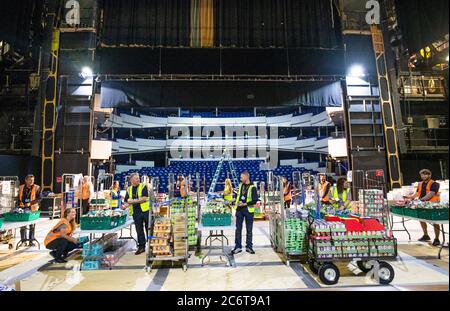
<point>427,191</point>
<point>86,193</point>
<point>287,192</point>
<point>228,191</point>
<point>246,199</point>
<point>116,199</point>
<point>340,195</point>
<point>184,188</point>
<point>324,189</point>
<point>137,200</point>
<point>59,240</point>
<point>30,195</point>
<point>177,187</point>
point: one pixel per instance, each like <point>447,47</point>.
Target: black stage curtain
<point>20,24</point>
<point>236,23</point>
<point>146,22</point>
<point>422,22</point>
<point>220,94</point>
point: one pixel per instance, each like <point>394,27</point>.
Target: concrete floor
<point>416,268</point>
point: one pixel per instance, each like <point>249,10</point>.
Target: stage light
<point>86,72</point>
<point>356,71</point>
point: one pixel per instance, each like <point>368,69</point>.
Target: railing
<point>422,86</point>
<point>426,139</point>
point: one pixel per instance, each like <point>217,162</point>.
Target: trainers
<point>60,260</point>
<point>236,251</point>
<point>250,250</point>
<point>53,254</point>
<point>436,242</point>
<point>139,251</point>
<point>425,238</point>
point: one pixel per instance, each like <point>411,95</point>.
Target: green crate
<point>433,214</point>
<point>1,222</point>
<point>215,220</point>
<point>411,212</point>
<point>397,210</point>
<point>122,220</point>
<point>98,201</point>
<point>21,217</point>
<point>99,223</point>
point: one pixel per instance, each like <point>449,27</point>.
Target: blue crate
<point>95,250</point>
<point>91,265</point>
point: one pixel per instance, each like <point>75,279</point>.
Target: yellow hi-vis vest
<point>114,203</point>
<point>251,209</point>
<point>335,196</point>
<point>228,193</point>
<point>144,206</point>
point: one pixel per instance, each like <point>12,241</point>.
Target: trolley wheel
<point>288,263</point>
<point>10,246</point>
<point>184,267</point>
<point>385,273</point>
<point>364,266</point>
<point>329,274</point>
<point>148,269</point>
<point>314,266</point>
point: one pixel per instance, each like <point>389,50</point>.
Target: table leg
<point>404,226</point>
<point>443,241</point>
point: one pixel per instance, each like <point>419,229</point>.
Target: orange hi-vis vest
<point>33,207</point>
<point>435,198</point>
<point>84,192</point>
<point>184,190</point>
<point>323,188</point>
<point>53,235</point>
<point>287,192</point>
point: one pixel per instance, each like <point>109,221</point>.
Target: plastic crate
<point>1,222</point>
<point>99,223</point>
<point>411,212</point>
<point>122,220</point>
<point>216,220</point>
<point>94,250</point>
<point>433,214</point>
<point>21,217</point>
<point>397,210</point>
<point>91,265</point>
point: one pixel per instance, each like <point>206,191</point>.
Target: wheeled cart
<point>151,257</point>
<point>374,260</point>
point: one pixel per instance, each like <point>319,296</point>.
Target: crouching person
<point>59,240</point>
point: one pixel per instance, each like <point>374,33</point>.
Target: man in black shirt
<point>427,191</point>
<point>30,195</point>
<point>137,199</point>
<point>245,208</point>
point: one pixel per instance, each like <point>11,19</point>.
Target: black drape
<point>422,22</point>
<point>237,23</point>
<point>280,23</point>
<point>146,22</point>
<point>20,22</point>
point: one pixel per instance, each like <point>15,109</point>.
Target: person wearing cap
<point>427,191</point>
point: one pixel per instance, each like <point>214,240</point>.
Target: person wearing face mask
<point>427,191</point>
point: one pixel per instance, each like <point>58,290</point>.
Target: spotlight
<point>86,72</point>
<point>356,71</point>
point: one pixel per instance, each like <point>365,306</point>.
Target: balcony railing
<point>424,139</point>
<point>422,86</point>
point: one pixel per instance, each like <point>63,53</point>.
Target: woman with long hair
<point>340,195</point>
<point>59,240</point>
<point>228,191</point>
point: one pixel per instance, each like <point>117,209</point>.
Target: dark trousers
<point>62,247</point>
<point>287,204</point>
<point>23,233</point>
<point>84,207</point>
<point>141,225</point>
<point>242,214</point>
